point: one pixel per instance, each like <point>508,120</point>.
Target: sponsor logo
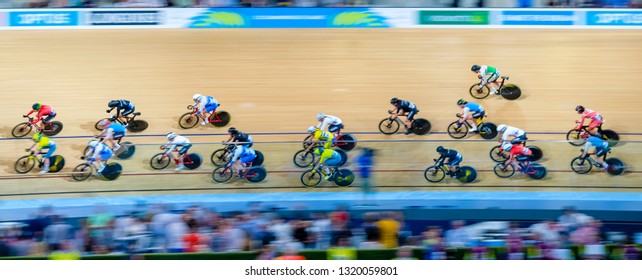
<point>614,18</point>
<point>217,19</point>
<point>537,17</point>
<point>43,18</point>
<point>359,19</point>
<point>453,17</point>
<point>124,18</point>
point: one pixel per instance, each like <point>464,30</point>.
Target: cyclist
<point>123,109</point>
<point>519,136</point>
<point>100,153</point>
<point>327,158</point>
<point>206,105</point>
<point>601,148</point>
<point>112,132</point>
<point>177,141</point>
<point>329,122</point>
<point>596,120</point>
<point>237,136</point>
<point>403,106</point>
<point>241,158</point>
<point>320,137</point>
<point>517,152</point>
<point>454,158</point>
<point>42,142</point>
<point>42,110</point>
<point>487,74</point>
<point>470,111</point>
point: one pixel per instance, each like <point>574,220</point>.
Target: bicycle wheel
<point>346,142</point>
<point>536,153</point>
<point>222,174</point>
<point>258,160</point>
<point>219,157</point>
<point>21,130</point>
<point>511,92</point>
<point>256,174</point>
<point>24,164</point>
<point>573,137</point>
<point>56,163</point>
<point>581,166</point>
<point>128,149</point>
<point>616,166</point>
<point>457,131</point>
<point>467,174</point>
<point>137,126</point>
<point>498,155</point>
<point>159,161</point>
<point>479,93</point>
<point>344,158</point>
<point>54,128</point>
<point>487,130</point>
<point>434,174</point>
<point>307,141</point>
<point>188,120</point>
<point>343,177</point>
<point>611,136</point>
<point>303,160</point>
<point>388,126</point>
<point>112,171</point>
<point>192,161</point>
<point>539,172</point>
<point>502,172</point>
<point>224,116</point>
<point>421,126</point>
<point>310,178</point>
<point>99,127</point>
<point>82,172</point>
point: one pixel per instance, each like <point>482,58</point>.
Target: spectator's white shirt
<point>175,232</point>
<point>547,234</point>
<point>282,231</point>
<point>457,237</point>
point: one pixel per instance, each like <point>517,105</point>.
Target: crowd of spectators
<point>157,229</point>
<point>321,3</point>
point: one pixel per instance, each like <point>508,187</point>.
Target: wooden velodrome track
<point>277,80</point>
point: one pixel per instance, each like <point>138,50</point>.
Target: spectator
<point>194,241</point>
<point>99,225</point>
<point>548,232</point>
<point>433,243</point>
<point>364,162</point>
<point>266,253</point>
<point>321,230</point>
<point>57,233</point>
<point>587,234</point>
<point>174,232</point>
<point>405,253</point>
<point>458,235</point>
<point>389,229</point>
<point>570,220</point>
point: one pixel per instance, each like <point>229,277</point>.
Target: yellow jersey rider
<point>320,137</point>
<point>327,158</point>
<point>43,142</point>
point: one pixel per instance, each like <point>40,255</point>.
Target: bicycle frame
<point>214,118</point>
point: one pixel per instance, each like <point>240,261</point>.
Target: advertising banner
<point>124,17</point>
<point>43,18</point>
<point>526,17</point>
<point>427,17</point>
<point>288,18</point>
<point>614,18</point>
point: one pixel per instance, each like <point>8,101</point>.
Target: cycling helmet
<point>318,150</point>
<point>320,116</point>
<point>93,143</point>
<point>36,137</point>
<point>501,128</point>
<point>475,68</point>
<point>36,106</point>
<point>461,102</point>
<point>579,109</point>
<point>440,149</point>
<point>233,131</point>
<point>104,122</point>
<point>394,100</point>
<point>312,129</point>
<point>507,146</point>
<point>197,97</point>
<point>113,103</point>
<point>170,136</point>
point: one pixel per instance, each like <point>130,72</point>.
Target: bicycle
<point>308,158</point>
<point>222,156</point>
<point>486,130</point>
<point>533,170</point>
<point>497,154</point>
<point>26,163</point>
<point>161,160</point>
<point>579,165</point>
<point>84,170</point>
<point>126,150</point>
<point>508,91</point>
<point>133,124</point>
<point>22,129</point>
<point>419,126</point>
<point>578,137</point>
<point>438,172</point>
<point>191,119</point>
<point>253,174</point>
<point>345,142</point>
<point>341,177</point>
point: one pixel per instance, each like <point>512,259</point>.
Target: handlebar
<point>190,107</point>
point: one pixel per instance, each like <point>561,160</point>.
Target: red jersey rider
<point>516,152</point>
<point>43,110</point>
<point>596,119</point>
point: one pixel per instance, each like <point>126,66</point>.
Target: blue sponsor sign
<point>623,18</point>
<point>288,18</point>
<point>41,18</point>
<point>526,17</point>
<point>124,17</point>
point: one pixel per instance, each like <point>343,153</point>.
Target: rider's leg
<point>473,123</point>
<point>46,161</point>
<point>492,82</point>
<point>181,156</point>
